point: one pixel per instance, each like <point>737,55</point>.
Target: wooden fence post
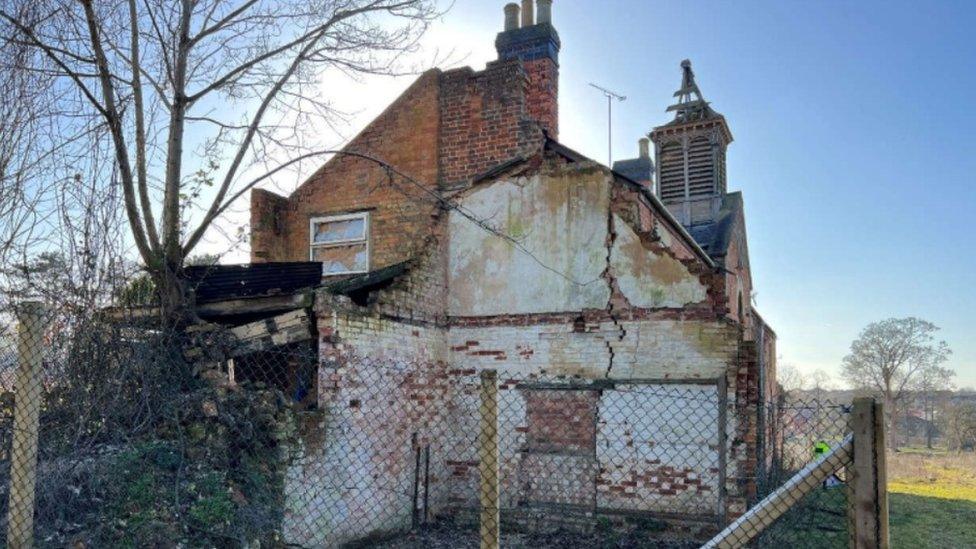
<point>869,483</point>
<point>27,408</point>
<point>488,461</point>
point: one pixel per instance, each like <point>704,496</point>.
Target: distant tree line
<point>902,363</point>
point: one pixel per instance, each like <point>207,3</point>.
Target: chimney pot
<point>528,13</point>
<point>645,147</point>
<point>511,16</point>
<point>545,11</point>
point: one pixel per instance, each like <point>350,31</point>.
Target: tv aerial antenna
<point>610,95</point>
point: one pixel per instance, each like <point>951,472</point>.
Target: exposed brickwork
<point>444,130</point>
<point>420,296</point>
<point>398,373</point>
<point>385,388</point>
<point>560,421</point>
<point>406,136</point>
<point>484,120</point>
<point>267,226</point>
<point>743,450</point>
<point>543,94</point>
<point>537,46</point>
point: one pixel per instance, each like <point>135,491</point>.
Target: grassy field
<point>932,499</point>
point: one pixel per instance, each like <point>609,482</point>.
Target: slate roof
<point>638,169</point>
<point>716,236</point>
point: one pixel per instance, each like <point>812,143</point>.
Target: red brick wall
<point>543,94</point>
<point>744,449</point>
<point>484,120</point>
<point>404,135</point>
<point>560,421</point>
<point>444,130</point>
<point>267,225</point>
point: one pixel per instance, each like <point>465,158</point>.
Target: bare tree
<point>22,114</point>
<point>958,422</point>
<point>59,209</point>
<point>893,357</point>
<point>820,382</point>
<point>204,99</point>
<point>790,378</point>
<point>933,385</point>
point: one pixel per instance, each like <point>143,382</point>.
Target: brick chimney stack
<point>537,45</point>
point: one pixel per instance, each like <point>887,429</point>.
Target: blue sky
<point>854,142</point>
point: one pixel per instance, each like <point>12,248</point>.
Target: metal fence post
<point>488,461</point>
<point>27,407</point>
<point>869,485</point>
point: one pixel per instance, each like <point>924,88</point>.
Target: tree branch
<point>139,106</point>
<point>118,136</point>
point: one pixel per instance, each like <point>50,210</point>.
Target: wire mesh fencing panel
<point>411,456</point>
<point>611,463</point>
<point>550,461</point>
<point>260,435</point>
<point>804,431</point>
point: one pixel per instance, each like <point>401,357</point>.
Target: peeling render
<point>651,349</point>
<point>560,220</point>
<point>652,280</point>
<point>565,222</point>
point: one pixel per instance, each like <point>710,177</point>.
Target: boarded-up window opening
<point>341,243</point>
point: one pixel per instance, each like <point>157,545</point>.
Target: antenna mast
<point>610,95</point>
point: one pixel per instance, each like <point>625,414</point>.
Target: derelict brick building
<point>494,246</point>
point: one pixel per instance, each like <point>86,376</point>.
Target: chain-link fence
<point>121,433</point>
<point>803,431</point>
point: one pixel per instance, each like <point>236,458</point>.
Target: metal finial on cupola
<point>688,107</point>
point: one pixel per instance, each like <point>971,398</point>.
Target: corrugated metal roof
<point>220,282</point>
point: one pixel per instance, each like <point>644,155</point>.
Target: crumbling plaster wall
<point>567,246</point>
<point>560,225</point>
<point>597,288</point>
<point>401,373</point>
<point>650,349</point>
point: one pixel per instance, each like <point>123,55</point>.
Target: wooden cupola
<point>690,155</point>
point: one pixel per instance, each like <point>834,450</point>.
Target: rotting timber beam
<point>224,308</point>
<point>262,335</point>
<point>255,305</point>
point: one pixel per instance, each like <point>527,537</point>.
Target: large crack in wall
<point>614,290</point>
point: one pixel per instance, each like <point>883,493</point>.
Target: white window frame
<point>339,243</point>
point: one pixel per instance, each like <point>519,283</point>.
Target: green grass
<point>937,474</point>
<point>932,499</point>
<point>919,522</point>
